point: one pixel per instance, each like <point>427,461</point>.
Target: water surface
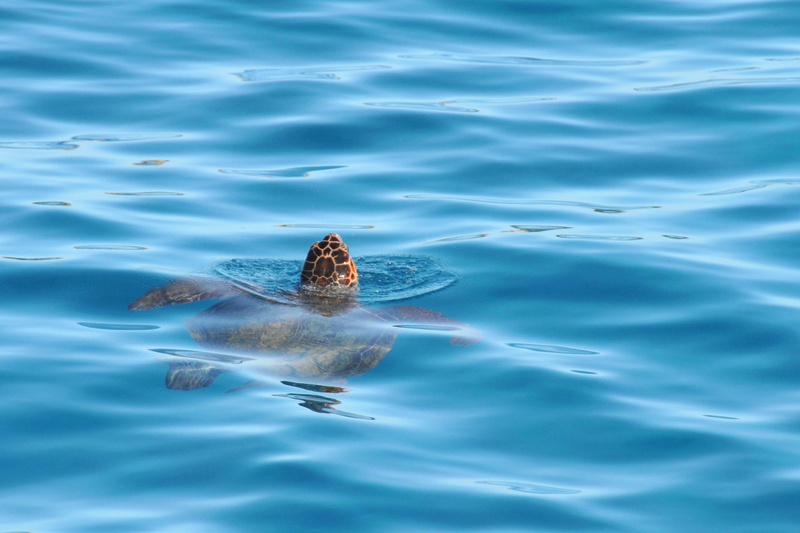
<point>613,183</point>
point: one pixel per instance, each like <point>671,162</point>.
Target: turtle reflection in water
<point>319,331</point>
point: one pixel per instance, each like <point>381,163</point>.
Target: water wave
<point>293,172</point>
<point>524,61</point>
<point>304,73</point>
<point>753,186</point>
<point>513,201</point>
<point>719,82</point>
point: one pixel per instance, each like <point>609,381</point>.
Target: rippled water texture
<point>608,188</point>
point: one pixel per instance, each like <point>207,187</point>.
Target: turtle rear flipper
<point>184,291</point>
<point>466,336</point>
<point>191,375</point>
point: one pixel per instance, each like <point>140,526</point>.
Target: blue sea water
<point>613,183</point>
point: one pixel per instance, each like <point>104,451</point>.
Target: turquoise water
<point>614,184</point>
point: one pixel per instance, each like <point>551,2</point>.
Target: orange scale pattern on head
<point>329,263</point>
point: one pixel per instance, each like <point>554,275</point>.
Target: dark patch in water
<point>578,237</point>
<point>461,238</point>
<point>31,258</point>
<point>427,327</point>
<point>721,417</point>
<point>754,185</point>
<point>125,137</point>
<point>146,193</point>
<point>322,404</point>
<point>330,389</point>
<point>292,172</point>
<point>536,229</point>
<point>118,327</point>
<point>204,356</point>
<point>39,145</point>
<point>719,82</point>
<point>152,162</point>
<point>529,61</point>
<point>109,247</point>
<point>54,204</point>
<point>547,348</point>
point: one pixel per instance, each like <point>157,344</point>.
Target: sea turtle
<point>319,330</point>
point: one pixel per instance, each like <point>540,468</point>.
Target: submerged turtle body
<point>319,331</point>
<point>305,343</point>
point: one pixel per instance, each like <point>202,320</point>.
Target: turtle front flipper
<point>184,291</point>
<point>466,336</point>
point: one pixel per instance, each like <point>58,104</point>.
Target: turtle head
<point>329,264</point>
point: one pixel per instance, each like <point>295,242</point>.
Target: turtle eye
<point>342,271</point>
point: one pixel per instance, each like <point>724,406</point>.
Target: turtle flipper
<point>252,384</point>
<point>466,335</point>
<point>191,375</point>
<point>184,291</point>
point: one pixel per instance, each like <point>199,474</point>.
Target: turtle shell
<point>299,339</point>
